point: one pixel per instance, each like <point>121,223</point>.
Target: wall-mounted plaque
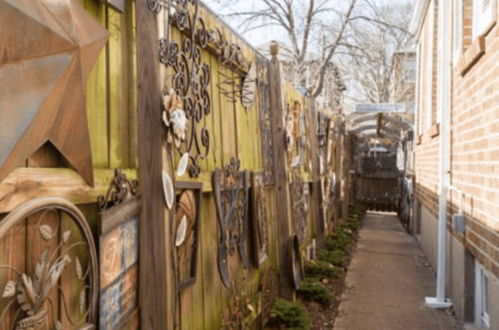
<point>186,231</point>
<point>119,268</point>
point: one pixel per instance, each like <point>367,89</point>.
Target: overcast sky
<point>265,34</point>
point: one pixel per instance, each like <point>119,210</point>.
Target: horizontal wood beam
<point>25,184</point>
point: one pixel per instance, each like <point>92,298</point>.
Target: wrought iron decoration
<point>191,77</point>
<point>231,190</point>
<point>30,294</point>
<point>118,190</point>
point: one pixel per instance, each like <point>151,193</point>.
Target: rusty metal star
<point>47,49</point>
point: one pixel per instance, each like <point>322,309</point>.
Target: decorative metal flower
<point>174,118</point>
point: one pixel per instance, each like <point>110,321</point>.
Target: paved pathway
<point>387,282</point>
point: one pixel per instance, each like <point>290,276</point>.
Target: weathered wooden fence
<point>239,175</point>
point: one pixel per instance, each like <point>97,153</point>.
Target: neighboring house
<point>457,150</point>
<point>403,79</point>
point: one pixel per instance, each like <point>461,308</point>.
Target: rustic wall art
<point>119,267</point>
<point>231,190</point>
<point>190,77</point>
<point>259,219</point>
<point>119,189</point>
<point>265,120</point>
<point>41,291</point>
<point>229,54</point>
<point>42,81</point>
<point>299,197</point>
<point>186,232</point>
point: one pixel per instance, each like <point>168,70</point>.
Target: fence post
<point>281,175</point>
<point>156,285</point>
<point>315,175</point>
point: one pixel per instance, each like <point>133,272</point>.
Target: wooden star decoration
<point>47,49</point>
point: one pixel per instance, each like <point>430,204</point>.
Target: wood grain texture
<point>156,303</point>
<point>27,183</point>
<point>281,178</point>
<point>316,213</point>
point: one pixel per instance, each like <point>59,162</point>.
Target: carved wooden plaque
<point>186,232</point>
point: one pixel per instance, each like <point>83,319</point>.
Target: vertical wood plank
<point>118,76</point>
<point>156,302</point>
<point>96,97</point>
<point>12,252</point>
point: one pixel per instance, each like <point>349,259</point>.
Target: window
<point>409,70</point>
<point>482,299</point>
<point>483,16</point>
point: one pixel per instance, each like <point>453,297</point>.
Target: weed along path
<point>387,281</point>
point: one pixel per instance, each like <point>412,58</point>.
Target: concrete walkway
<point>387,282</point>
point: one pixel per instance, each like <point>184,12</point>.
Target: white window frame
<point>484,12</point>
<point>458,30</point>
<point>482,296</point>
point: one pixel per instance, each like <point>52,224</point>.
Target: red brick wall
<point>474,150</point>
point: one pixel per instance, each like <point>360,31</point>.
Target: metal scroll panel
<point>51,280</point>
<point>231,190</point>
<point>190,76</point>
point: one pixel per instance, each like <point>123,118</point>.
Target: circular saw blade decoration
<point>43,69</point>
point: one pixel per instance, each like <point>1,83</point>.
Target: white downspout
<point>444,105</point>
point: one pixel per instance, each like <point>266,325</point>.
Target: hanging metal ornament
<point>248,88</point>
<point>168,191</point>
<point>231,190</point>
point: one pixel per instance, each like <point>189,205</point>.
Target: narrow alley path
<point>387,282</point>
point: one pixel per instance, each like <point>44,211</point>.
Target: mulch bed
<point>322,317</point>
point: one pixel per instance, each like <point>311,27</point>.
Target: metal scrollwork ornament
<point>190,79</point>
<point>28,293</point>
<point>118,191</point>
<point>231,190</point>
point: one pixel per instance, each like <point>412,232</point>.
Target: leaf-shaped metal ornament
<point>168,190</point>
<point>40,268</point>
<point>78,268</point>
<point>181,231</point>
<point>9,290</point>
<point>46,232</point>
<point>182,164</point>
<point>66,235</point>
